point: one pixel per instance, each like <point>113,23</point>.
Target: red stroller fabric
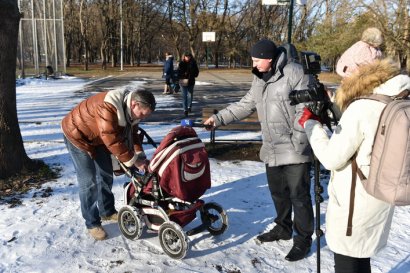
<point>182,165</point>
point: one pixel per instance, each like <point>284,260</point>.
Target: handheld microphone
<point>191,123</point>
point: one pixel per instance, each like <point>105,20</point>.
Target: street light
<point>122,49</point>
<point>291,4</point>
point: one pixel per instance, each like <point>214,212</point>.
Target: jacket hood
<point>364,80</point>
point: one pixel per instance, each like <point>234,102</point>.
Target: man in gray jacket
<point>285,148</point>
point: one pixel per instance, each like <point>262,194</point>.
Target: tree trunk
<point>13,157</point>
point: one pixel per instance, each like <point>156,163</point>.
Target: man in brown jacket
<point>103,125</point>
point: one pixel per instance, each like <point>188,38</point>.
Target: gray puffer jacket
<point>284,140</point>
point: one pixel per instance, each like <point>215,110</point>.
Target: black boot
<point>275,234</point>
<point>298,252</point>
<point>186,113</point>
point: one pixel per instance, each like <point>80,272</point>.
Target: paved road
<point>215,88</point>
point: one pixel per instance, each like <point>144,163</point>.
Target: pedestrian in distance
<point>187,72</point>
<point>285,149</point>
<point>103,126</point>
<point>168,73</point>
<point>354,136</point>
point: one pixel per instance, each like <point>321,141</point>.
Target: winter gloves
<point>307,114</point>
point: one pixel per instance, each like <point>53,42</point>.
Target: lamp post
<point>290,21</point>
<point>122,49</point>
<point>291,4</point>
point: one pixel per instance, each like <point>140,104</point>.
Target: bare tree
<point>13,157</point>
<point>392,17</point>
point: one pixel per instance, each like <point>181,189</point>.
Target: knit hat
<point>362,52</point>
<point>264,49</point>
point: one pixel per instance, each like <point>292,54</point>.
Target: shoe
<point>112,217</point>
<point>186,113</point>
<point>275,234</point>
<point>189,110</point>
<point>98,233</point>
<point>298,252</point>
<point>166,93</point>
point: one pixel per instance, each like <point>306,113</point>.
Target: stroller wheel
<point>173,240</point>
<point>129,222</point>
<point>213,215</point>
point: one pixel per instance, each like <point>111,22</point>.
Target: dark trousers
<point>289,186</point>
<point>347,264</point>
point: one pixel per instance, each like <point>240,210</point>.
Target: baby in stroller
<point>166,198</point>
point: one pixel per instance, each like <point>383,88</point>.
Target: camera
<point>315,97</point>
<point>316,92</point>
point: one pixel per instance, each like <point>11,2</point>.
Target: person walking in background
<point>103,125</point>
<point>362,52</point>
<point>285,149</point>
<point>168,73</point>
<point>355,135</point>
<point>187,72</point>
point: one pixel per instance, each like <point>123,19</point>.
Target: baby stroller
<point>165,198</point>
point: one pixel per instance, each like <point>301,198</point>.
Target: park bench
<point>250,123</point>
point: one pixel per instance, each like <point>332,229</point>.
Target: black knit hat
<point>264,49</point>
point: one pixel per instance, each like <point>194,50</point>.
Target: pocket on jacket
<point>300,142</point>
<point>281,129</point>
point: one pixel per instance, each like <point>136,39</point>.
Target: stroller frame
<point>165,215</point>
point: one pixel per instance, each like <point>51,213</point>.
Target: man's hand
<point>142,165</point>
<point>209,124</point>
<point>307,114</point>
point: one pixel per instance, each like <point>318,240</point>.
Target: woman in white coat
<point>355,135</point>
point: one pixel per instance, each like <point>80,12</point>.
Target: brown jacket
<point>104,119</point>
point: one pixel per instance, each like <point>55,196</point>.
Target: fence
<point>41,37</point>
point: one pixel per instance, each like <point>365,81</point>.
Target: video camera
<point>315,97</point>
<point>316,92</point>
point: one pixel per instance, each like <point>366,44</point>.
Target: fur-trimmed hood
<point>376,77</point>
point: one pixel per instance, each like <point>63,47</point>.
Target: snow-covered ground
<point>47,233</point>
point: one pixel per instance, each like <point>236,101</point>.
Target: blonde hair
<point>373,36</point>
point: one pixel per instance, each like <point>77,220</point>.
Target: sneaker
<point>275,234</point>
<point>98,233</point>
<point>112,217</point>
<point>298,252</point>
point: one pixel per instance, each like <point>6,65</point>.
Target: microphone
<point>191,123</point>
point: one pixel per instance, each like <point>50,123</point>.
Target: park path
<point>215,88</point>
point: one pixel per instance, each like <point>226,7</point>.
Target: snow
<point>47,233</point>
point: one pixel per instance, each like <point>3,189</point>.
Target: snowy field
<point>47,234</point>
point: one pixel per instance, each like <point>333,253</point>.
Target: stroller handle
<point>133,172</point>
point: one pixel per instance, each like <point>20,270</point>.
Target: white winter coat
<point>355,133</point>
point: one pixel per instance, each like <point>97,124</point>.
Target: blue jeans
<point>95,179</point>
<point>187,95</point>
